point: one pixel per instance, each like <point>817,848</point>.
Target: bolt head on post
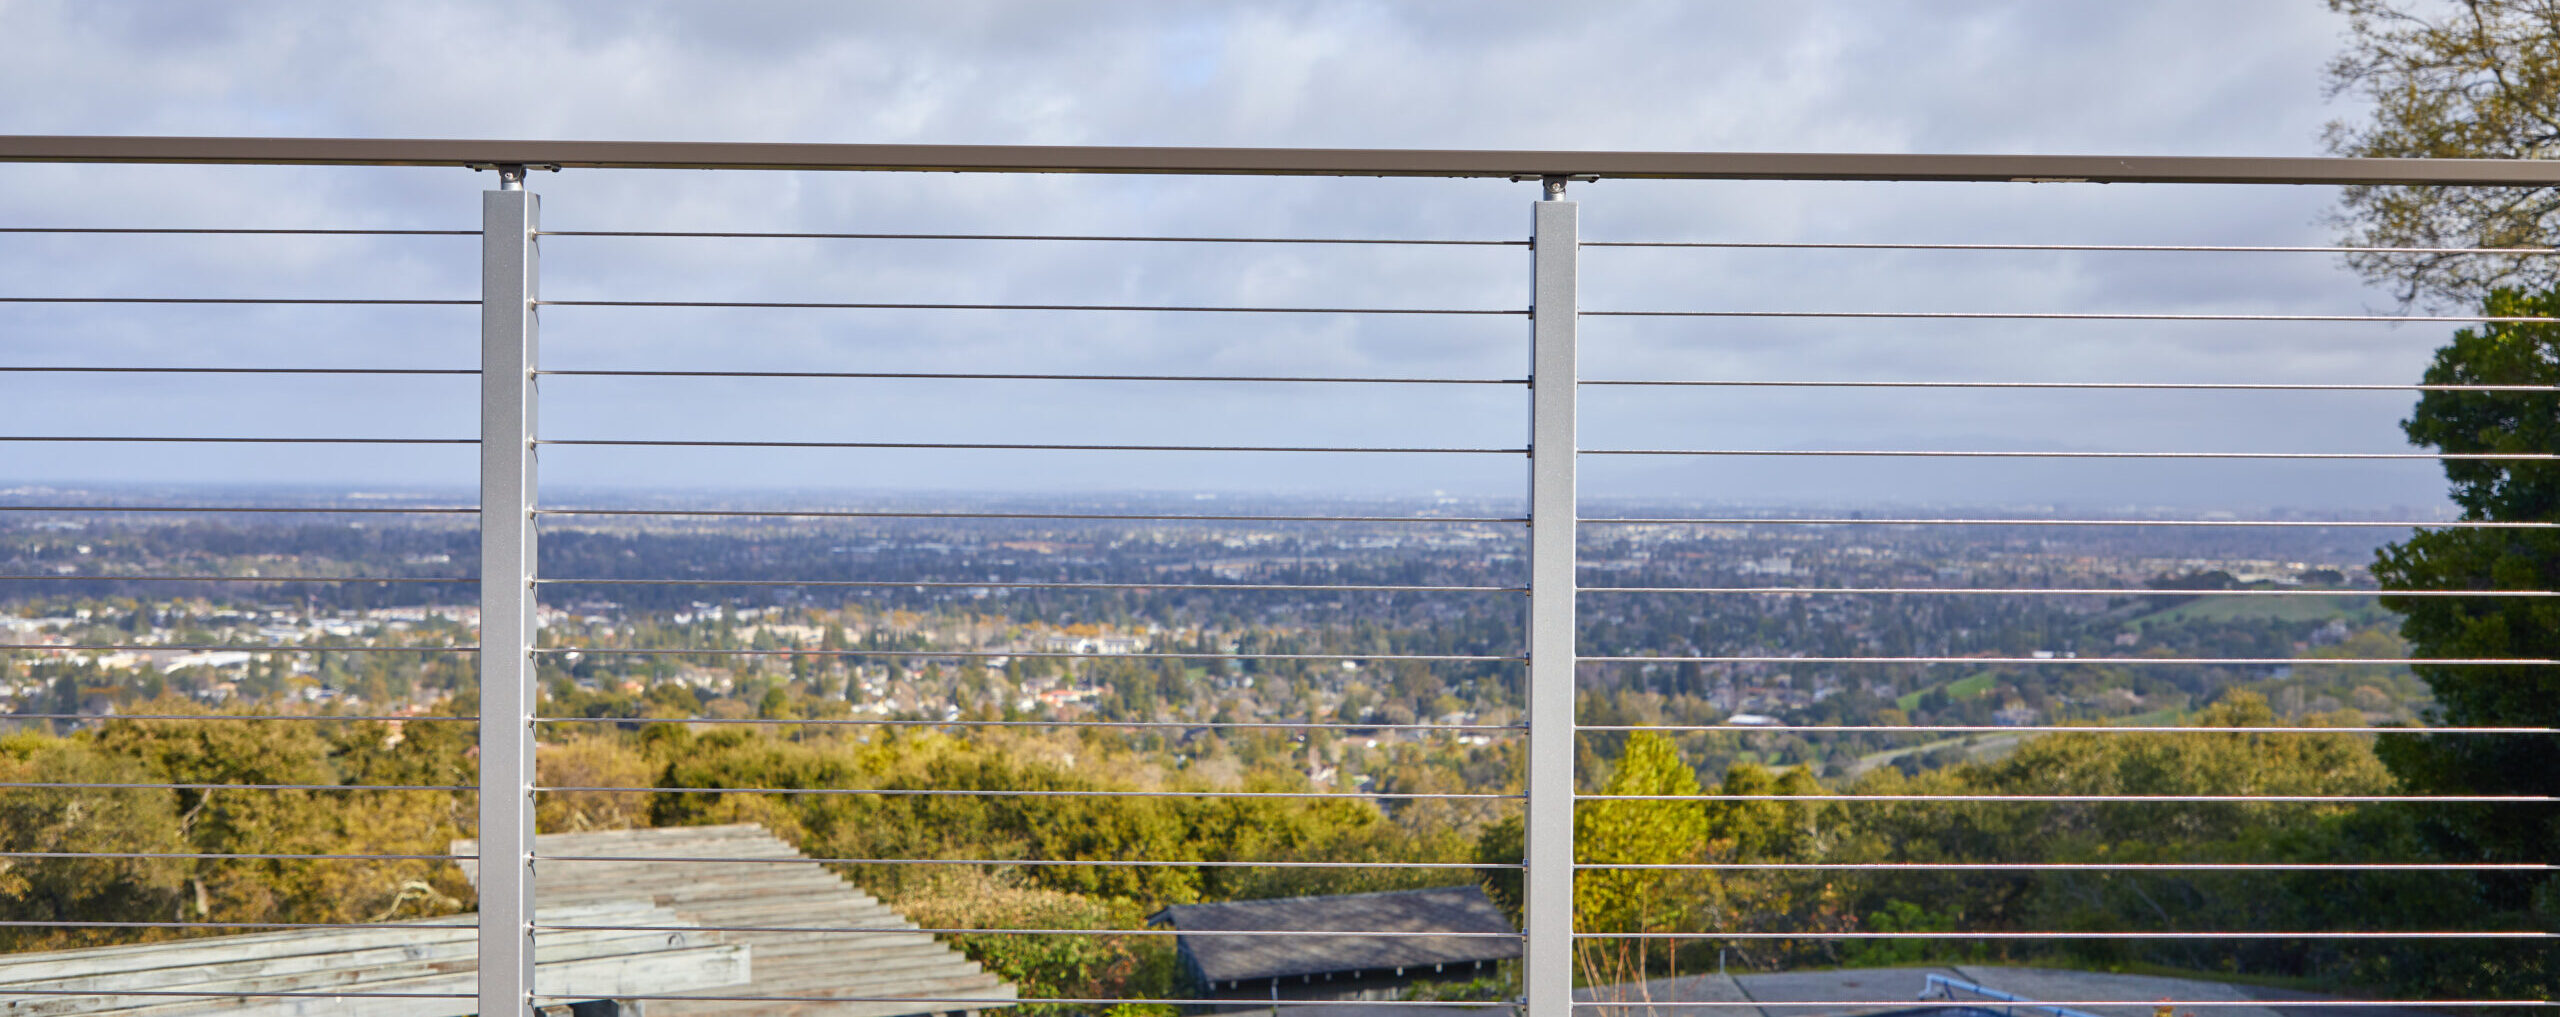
<point>511,176</point>
<point>1554,186</point>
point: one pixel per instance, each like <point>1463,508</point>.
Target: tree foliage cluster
<point>1658,813</point>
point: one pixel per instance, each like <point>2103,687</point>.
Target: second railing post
<point>1547,901</point>
<point>508,269</point>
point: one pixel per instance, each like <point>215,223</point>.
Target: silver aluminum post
<point>508,268</point>
<point>1547,902</point>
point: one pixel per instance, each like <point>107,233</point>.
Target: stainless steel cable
<point>2135,386</point>
<point>35,924</point>
<point>2090,798</point>
<point>183,440</point>
<point>60,577</point>
<point>2076,866</point>
<point>901,792</point>
<point>2279,1005</point>
<point>248,647</point>
<point>2448,524</point>
<point>239,993</point>
<point>2450,319</point>
<point>46,369</point>
<point>2177,248</point>
<point>889,306</point>
<point>1056,862</point>
<point>221,509</point>
<point>731,234</point>
<point>2061,729</point>
<point>1012,447</point>
<point>2020,454</point>
<point>970,376</point>
<point>346,718</point>
<point>1069,516</point>
<point>1169,725</point>
<point>188,231</point>
<point>879,929</point>
<point>964,654</point>
<point>2316,934</point>
<point>1846,1005</point>
<point>150,786</point>
<point>990,1002</point>
<point>285,301</point>
<point>2061,591</point>
<point>219,857</point>
<point>1033,585</point>
<point>2147,661</point>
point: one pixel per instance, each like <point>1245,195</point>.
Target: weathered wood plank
<point>705,968</point>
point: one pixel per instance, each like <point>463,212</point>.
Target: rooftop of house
<point>1486,935</point>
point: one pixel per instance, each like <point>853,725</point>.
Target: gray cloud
<point>2188,78</point>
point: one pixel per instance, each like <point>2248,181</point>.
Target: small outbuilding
<point>1444,933</point>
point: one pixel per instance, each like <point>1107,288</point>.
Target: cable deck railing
<point>1544,647</point>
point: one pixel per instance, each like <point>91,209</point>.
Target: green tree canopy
<point>2489,490</point>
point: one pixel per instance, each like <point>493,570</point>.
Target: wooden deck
<point>436,956</point>
<point>760,894</point>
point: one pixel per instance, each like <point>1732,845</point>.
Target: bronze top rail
<point>1341,162</point>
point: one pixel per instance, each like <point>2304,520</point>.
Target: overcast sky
<point>2202,78</point>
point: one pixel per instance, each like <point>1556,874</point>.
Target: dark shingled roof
<point>1247,958</point>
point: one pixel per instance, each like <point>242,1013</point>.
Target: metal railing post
<point>1547,901</point>
<point>508,268</point>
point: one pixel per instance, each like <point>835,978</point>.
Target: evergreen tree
<point>2488,558</point>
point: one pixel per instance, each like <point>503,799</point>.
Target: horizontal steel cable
<point>2018,454</point>
<point>35,924</point>
<point>2451,319</point>
<point>877,929</point>
<point>2063,728</point>
<point>220,857</point>
<point>2077,866</point>
<point>1001,1001</point>
<point>2321,934</point>
<point>2447,524</point>
<point>1034,585</point>
<point>218,509</point>
<point>2199,661</point>
<point>348,718</point>
<point>2287,1004</point>
<point>241,993</point>
<point>1004,653</point>
<point>1060,862</point>
<point>176,440</point>
<point>191,231</point>
<point>2174,248</point>
<point>2063,591</point>
<point>2139,386</point>
<point>343,301</point>
<point>904,792</point>
<point>1071,516</point>
<point>990,1002</point>
<point>42,369</point>
<point>248,647</point>
<point>994,446</point>
<point>2146,799</point>
<point>885,306</point>
<point>148,786</point>
<point>970,376</point>
<point>1029,236</point>
<point>1179,725</point>
<point>61,576</point>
